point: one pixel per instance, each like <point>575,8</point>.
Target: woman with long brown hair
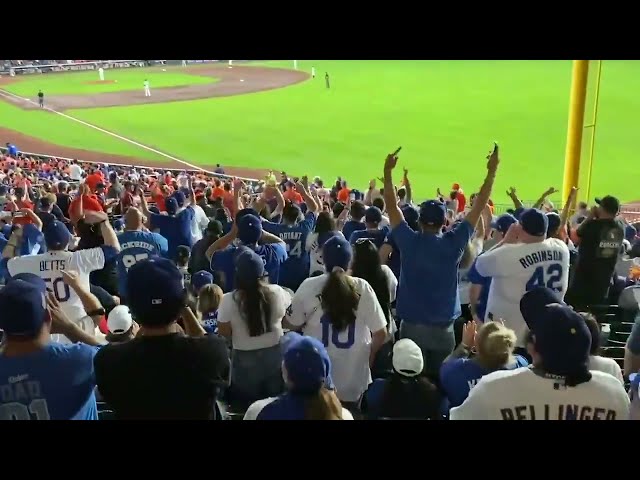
<point>343,312</point>
<point>306,369</point>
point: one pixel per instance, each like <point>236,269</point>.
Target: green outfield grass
<point>127,79</point>
<point>445,115</point>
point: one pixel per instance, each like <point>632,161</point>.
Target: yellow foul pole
<point>576,123</point>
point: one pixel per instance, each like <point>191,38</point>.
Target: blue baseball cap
<point>306,362</point>
<point>56,235</point>
<point>200,279</point>
<point>373,215</point>
<point>336,252</point>
<point>433,212</point>
<point>180,198</point>
<point>118,223</point>
<point>3,189</point>
<point>249,229</point>
<point>560,335</point>
<point>155,292</point>
<point>411,215</point>
<point>246,211</point>
<point>171,205</point>
<point>553,220</point>
<point>518,212</point>
<point>23,306</point>
<point>249,266</point>
<point>534,222</point>
<point>503,222</point>
<point>630,233</point>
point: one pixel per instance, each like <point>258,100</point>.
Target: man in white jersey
<point>525,259</point>
<point>351,351</point>
<point>558,385</point>
<point>49,266</point>
<point>147,89</point>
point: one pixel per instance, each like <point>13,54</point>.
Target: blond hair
<point>495,344</point>
<point>209,298</point>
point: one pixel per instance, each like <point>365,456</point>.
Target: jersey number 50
<point>60,289</point>
<point>551,278</point>
<point>330,333</point>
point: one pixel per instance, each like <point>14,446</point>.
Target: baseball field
<point>445,115</point>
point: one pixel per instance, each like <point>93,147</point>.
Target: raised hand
<point>70,277</point>
<point>92,217</point>
<point>390,162</point>
<point>551,191</point>
<point>469,331</point>
<point>511,192</point>
<point>493,159</point>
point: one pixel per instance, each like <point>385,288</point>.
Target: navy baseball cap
<point>609,204</point>
<point>411,215</point>
<point>560,335</point>
<point>183,251</point>
<point>518,212</point>
<point>3,189</point>
<point>249,229</point>
<point>246,211</point>
<point>56,235</point>
<point>215,227</point>
<point>171,205</point>
<point>249,266</point>
<point>336,252</point>
<point>180,198</point>
<point>306,362</point>
<point>630,233</point>
<point>23,306</point>
<point>200,279</point>
<point>433,212</point>
<point>155,293</point>
<point>534,222</point>
<point>373,215</point>
<point>553,220</point>
<point>503,222</point>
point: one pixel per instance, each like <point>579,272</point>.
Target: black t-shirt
<point>165,377</point>
<point>63,201</point>
<point>600,242</point>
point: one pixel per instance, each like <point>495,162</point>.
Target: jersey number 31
<point>551,278</point>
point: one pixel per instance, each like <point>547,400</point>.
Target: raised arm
<point>538,203</point>
<point>144,206</point>
<point>223,242</point>
<point>514,197</point>
<point>481,200</point>
<point>306,196</point>
<point>568,206</point>
<point>89,301</point>
<point>280,199</point>
<point>394,212</point>
<point>407,186</point>
<point>35,219</point>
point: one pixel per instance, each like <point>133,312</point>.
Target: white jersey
<point>522,394</point>
<point>518,268</point>
<point>75,172</point>
<point>256,407</point>
<point>349,350</point>
<point>183,181</point>
<point>49,266</point>
<point>316,263</point>
<point>146,84</point>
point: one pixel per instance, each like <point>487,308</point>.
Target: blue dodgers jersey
<point>351,226</point>
<point>273,255</point>
<point>55,383</point>
<point>459,375</point>
<point>428,285</point>
<point>176,229</point>
<point>377,236</point>
<point>475,278</point>
<point>295,269</point>
<point>135,246</point>
<point>210,322</point>
<point>285,407</point>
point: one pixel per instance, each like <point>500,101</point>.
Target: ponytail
<point>254,299</point>
<point>323,405</point>
<point>340,300</point>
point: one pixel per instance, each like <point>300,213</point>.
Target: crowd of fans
<point>138,293</point>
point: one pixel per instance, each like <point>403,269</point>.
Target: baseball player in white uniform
<point>49,266</point>
<point>559,384</point>
<point>101,74</point>
<point>184,63</point>
<point>313,72</point>
<point>147,89</point>
<point>525,259</point>
<point>352,349</point>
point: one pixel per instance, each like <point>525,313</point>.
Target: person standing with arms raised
<point>428,301</point>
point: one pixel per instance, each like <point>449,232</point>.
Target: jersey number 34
<point>551,278</point>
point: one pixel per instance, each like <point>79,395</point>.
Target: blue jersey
<point>54,383</point>
<point>377,236</point>
<point>273,255</point>
<point>459,375</point>
<point>485,282</point>
<point>136,245</point>
<point>296,269</point>
<point>210,322</point>
<point>176,229</point>
<point>351,226</point>
<point>394,260</point>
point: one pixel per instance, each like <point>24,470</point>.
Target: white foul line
<point>7,94</point>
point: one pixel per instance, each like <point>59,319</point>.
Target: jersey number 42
<point>551,278</point>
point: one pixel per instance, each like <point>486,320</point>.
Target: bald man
<point>136,244</point>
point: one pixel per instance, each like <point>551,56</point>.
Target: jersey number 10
<point>550,279</point>
<point>331,334</point>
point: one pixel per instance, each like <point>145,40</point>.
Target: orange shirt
<point>93,180</point>
<point>343,195</point>
<point>89,202</point>
<point>218,192</point>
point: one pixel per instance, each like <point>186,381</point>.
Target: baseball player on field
<point>147,89</point>
<point>101,74</point>
<point>524,260</point>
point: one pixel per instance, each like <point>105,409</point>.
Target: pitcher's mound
<point>99,82</point>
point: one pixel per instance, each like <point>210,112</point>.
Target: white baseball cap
<point>407,358</point>
<point>119,320</point>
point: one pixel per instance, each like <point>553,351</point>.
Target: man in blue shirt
<point>39,379</point>
<point>372,219</point>
<point>248,230</point>
<point>294,233</point>
<point>176,225</point>
<point>428,301</point>
<point>136,245</point>
<point>12,150</point>
<point>389,251</point>
<point>356,212</point>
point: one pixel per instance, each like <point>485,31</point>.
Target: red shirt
<point>89,202</point>
<point>93,180</point>
<point>462,201</point>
